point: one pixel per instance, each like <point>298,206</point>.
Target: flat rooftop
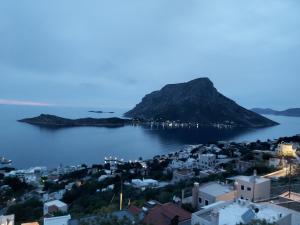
<point>215,189</point>
<point>232,213</point>
<point>56,203</point>
<point>184,172</point>
<point>61,220</point>
<point>258,179</point>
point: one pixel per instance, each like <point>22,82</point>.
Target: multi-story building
<point>182,175</point>
<point>207,161</point>
<point>252,188</point>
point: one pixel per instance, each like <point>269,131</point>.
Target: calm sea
<point>29,145</point>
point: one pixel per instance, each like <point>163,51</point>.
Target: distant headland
<point>99,111</point>
<point>56,121</point>
<point>294,112</point>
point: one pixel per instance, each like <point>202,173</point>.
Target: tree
<point>28,211</point>
<point>16,184</point>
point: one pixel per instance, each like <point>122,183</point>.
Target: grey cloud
<point>114,52</point>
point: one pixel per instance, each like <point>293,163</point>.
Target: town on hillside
<point>207,184</point>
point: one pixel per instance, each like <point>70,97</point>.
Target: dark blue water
<point>29,145</point>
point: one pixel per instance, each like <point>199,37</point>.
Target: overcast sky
<point>112,53</point>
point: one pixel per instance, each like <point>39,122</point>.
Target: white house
<point>55,206</point>
<point>60,220</point>
<point>145,183</point>
<point>207,161</point>
<point>212,192</point>
<point>252,188</point>
<point>7,220</point>
<point>242,211</point>
<point>182,175</point>
<point>58,195</point>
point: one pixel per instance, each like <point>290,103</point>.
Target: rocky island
<point>197,102</point>
<point>192,104</point>
<point>98,111</point>
<point>56,121</point>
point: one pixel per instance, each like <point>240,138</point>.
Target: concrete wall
<point>227,197</point>
<point>196,220</point>
<point>261,190</point>
<point>205,196</point>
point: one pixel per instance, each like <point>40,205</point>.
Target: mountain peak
<point>195,101</point>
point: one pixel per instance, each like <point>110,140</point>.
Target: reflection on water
<point>193,135</point>
<point>29,145</point>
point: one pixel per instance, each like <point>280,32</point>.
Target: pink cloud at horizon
<point>21,102</point>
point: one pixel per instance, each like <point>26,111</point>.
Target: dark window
<point>200,200</point>
<point>242,187</point>
<point>248,188</point>
<point>206,202</point>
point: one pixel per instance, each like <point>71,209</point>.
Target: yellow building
<point>286,150</point>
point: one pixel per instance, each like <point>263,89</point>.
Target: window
<point>200,200</point>
<point>206,202</point>
<point>242,187</point>
<point>248,188</point>
<point>242,197</point>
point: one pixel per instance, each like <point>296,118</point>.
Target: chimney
<point>215,216</point>
<point>254,173</point>
<point>195,195</point>
<point>253,178</point>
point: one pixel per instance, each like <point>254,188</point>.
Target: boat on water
<point>4,160</point>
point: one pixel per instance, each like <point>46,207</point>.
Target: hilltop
<point>196,101</point>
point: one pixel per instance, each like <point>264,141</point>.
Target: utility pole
<point>290,175</point>
<point>121,195</point>
<point>253,189</point>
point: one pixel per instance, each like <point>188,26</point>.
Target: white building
<point>242,211</point>
<point>145,183</point>
<point>61,220</point>
<point>182,175</point>
<point>252,188</point>
<point>212,192</point>
<point>31,176</point>
<point>58,195</point>
<point>207,161</point>
<point>55,206</point>
<point>7,220</point>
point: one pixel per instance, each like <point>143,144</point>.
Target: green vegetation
<point>105,219</point>
<point>31,210</point>
<point>16,188</point>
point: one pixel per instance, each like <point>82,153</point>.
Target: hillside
<point>196,101</point>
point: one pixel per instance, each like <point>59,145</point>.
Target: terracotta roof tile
<point>163,214</point>
<point>134,210</point>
